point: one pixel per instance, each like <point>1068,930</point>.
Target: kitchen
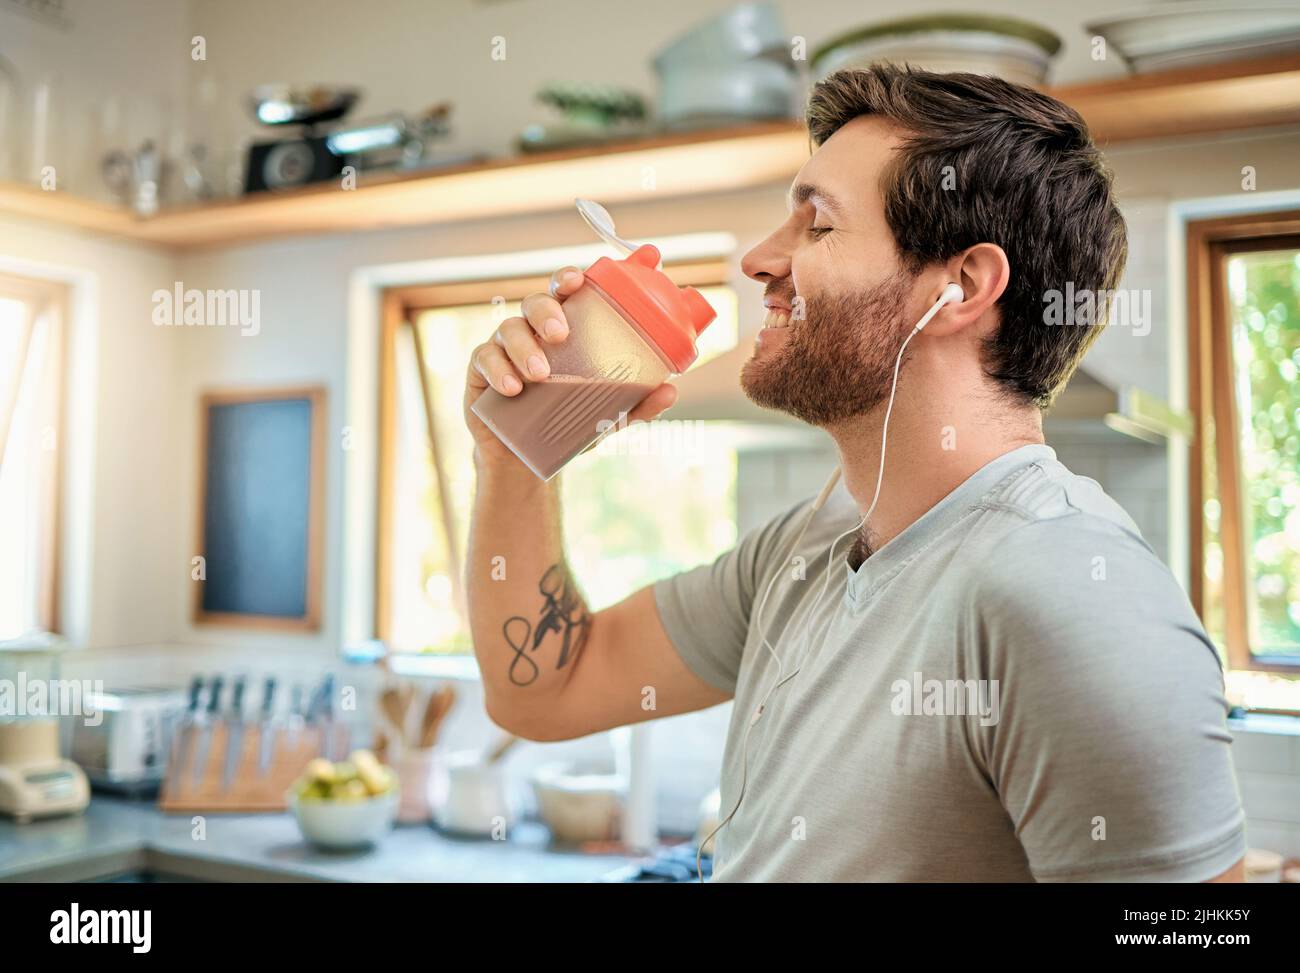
<point>365,212</point>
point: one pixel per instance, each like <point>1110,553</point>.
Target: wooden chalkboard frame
<point>315,395</point>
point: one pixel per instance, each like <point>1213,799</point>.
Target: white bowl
<point>1006,47</point>
<point>342,824</point>
<point>579,802</point>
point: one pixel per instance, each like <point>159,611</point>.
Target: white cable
<point>947,297</point>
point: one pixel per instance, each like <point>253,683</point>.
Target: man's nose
<point>770,260</point>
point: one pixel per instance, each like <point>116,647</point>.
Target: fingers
<point>514,355</point>
<point>519,342</point>
<point>565,281</point>
<point>543,311</point>
<point>656,402</point>
<point>489,365</point>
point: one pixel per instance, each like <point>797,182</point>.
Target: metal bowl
<point>284,104</point>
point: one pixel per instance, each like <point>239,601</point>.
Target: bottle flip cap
<point>668,315</point>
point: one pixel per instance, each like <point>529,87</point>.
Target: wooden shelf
<point>1222,97</point>
<point>1190,101</point>
<point>683,164</point>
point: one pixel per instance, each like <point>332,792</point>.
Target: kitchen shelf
<point>1190,101</point>
<point>681,164</point>
<point>1216,98</point>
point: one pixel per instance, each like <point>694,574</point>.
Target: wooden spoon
<point>435,711</point>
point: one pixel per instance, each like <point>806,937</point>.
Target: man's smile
<point>776,322</point>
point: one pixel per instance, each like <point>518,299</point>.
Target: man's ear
<point>983,273</point>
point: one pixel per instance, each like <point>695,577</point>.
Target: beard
<point>838,361</point>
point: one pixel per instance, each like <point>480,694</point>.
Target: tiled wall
<point>770,483</point>
<point>1266,751</point>
<point>1132,472</point>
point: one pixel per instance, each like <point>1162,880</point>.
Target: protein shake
<point>630,329</point>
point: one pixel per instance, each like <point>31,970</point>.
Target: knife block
<point>250,789</point>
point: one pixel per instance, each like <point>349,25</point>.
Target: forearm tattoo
<point>562,614</point>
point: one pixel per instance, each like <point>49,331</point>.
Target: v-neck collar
<point>890,559</point>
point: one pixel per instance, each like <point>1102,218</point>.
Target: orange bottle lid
<point>671,316</point>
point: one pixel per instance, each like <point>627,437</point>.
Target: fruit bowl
<point>347,824</point>
<point>345,805</point>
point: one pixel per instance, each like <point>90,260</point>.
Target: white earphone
<point>951,294</point>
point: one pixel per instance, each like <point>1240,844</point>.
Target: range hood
<point>1088,406</point>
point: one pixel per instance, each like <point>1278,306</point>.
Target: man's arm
<point>551,669</point>
<point>1111,753</point>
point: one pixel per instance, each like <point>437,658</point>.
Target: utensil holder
<point>422,784</point>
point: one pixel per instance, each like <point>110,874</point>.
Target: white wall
<point>122,61</point>
<point>408,54</point>
<point>123,397</point>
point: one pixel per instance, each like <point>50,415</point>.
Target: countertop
<point>116,836</point>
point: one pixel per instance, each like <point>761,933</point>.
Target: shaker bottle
<point>630,329</point>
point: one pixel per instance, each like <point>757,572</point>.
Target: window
<point>31,372</point>
<point>618,536</point>
<point>1245,299</point>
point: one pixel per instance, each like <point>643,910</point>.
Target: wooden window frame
<point>399,308</point>
<point>42,297</point>
<point>1209,245</point>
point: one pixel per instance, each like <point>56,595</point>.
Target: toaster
<point>128,750</point>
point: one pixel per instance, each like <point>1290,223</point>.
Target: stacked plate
<point>1187,33</point>
<point>1006,47</point>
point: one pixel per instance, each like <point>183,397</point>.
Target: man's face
<point>837,295</point>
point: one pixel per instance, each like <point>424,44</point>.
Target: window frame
<point>1210,243</point>
<point>50,300</point>
<point>400,306</point>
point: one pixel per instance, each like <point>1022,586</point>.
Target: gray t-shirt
<point>1014,688</point>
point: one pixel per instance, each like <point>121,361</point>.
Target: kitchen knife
<point>321,712</point>
<point>266,736</point>
<point>235,736</point>
<point>330,729</point>
<point>296,717</point>
<point>185,742</point>
<point>205,731</point>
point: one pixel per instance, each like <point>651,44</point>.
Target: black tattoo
<point>562,613</point>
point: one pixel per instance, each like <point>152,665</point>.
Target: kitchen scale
<point>36,782</point>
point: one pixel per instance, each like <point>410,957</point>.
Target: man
<point>1003,683</point>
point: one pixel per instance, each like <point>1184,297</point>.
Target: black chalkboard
<point>261,497</point>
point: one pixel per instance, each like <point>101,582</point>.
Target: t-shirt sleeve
<point>1111,753</point>
<point>706,610</point>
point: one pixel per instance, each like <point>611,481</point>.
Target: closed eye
<point>819,231</point>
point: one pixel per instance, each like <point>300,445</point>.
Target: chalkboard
<point>260,509</point>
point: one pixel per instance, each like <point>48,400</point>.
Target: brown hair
<point>1024,175</point>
